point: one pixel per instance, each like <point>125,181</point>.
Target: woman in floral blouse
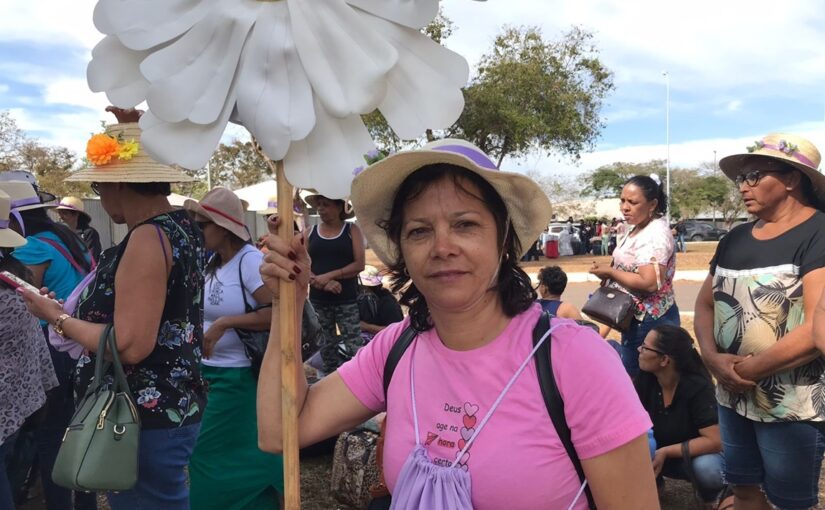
<point>643,264</point>
<point>151,287</point>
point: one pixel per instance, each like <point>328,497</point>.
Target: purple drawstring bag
<point>424,485</point>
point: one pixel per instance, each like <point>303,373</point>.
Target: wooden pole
<point>290,359</point>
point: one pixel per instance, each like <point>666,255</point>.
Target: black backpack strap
<point>553,400</point>
<point>398,349</point>
<point>246,305</point>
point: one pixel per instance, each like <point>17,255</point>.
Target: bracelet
<point>58,324</point>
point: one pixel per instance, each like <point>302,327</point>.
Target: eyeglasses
<point>95,188</point>
<point>202,224</point>
<point>643,347</point>
<point>754,176</point>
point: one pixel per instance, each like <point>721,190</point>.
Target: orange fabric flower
<point>101,148</point>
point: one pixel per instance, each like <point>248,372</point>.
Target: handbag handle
<point>102,366</point>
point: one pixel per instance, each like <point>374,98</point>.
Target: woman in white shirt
<point>227,469</point>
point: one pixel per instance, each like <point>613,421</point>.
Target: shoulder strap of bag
<point>553,400</point>
<point>66,255</point>
<point>243,289</point>
<point>398,349</point>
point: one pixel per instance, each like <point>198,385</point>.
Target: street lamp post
<point>666,74</point>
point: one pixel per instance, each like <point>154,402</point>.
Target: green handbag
<point>100,446</point>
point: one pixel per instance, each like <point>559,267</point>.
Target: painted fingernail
<point>291,276</point>
<point>292,255</point>
<point>296,269</point>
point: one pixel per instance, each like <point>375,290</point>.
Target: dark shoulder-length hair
<point>676,343</point>
<point>13,266</point>
<point>513,286</point>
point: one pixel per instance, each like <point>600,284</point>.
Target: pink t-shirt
<point>517,461</point>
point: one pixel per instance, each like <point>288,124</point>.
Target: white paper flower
<point>296,73</point>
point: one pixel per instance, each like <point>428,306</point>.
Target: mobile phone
<point>17,282</point>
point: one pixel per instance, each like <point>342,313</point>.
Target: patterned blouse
<point>758,299</point>
<point>26,371</point>
<point>167,385</point>
<point>653,242</point>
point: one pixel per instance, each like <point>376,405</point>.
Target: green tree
<point>532,94</point>
<point>607,181</point>
<point>235,165</point>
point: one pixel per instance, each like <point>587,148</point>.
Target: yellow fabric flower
<point>101,148</point>
<point>127,150</point>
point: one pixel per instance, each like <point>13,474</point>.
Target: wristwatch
<point>58,324</point>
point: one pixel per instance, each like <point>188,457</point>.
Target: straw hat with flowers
<point>789,149</point>
<point>117,156</point>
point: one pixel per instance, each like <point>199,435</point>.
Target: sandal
<point>726,499</point>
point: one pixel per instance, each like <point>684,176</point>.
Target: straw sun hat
<point>8,237</point>
<point>23,196</point>
<point>312,201</point>
<point>223,208</point>
<point>374,190</point>
<point>118,156</point>
<point>72,204</point>
<point>790,149</point>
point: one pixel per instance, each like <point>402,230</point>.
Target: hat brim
<point>195,208</point>
<point>11,239</point>
<point>35,206</point>
<point>732,166</point>
<point>136,174</point>
<point>374,190</point>
<point>67,208</point>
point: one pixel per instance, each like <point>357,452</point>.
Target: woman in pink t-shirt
<point>466,428</point>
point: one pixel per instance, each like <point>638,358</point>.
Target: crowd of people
<point>447,338</point>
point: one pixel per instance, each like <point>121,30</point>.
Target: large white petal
<point>274,94</point>
<point>191,77</point>
<point>142,24</point>
<point>327,158</point>
<point>424,88</point>
<point>410,13</point>
<point>184,143</point>
<point>346,62</point>
<point>114,69</point>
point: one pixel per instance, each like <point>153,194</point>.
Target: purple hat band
<point>794,154</point>
<point>272,205</point>
<point>476,156</point>
<point>24,202</point>
<point>4,224</point>
<point>68,206</point>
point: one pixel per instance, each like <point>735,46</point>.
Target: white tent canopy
<point>259,195</point>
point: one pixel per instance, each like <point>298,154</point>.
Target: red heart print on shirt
<point>470,409</point>
<point>470,421</point>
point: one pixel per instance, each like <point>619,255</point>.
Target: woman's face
<point>449,242</point>
<point>329,210</point>
<point>213,235</point>
<point>635,208</point>
<point>650,356</point>
<point>111,200</point>
<point>765,186</point>
<point>68,217</point>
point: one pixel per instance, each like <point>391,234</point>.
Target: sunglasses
<point>202,224</point>
<point>753,177</point>
<point>643,348</point>
<point>95,188</point>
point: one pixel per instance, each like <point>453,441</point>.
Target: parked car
<point>701,231</point>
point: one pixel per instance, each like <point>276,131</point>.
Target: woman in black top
<point>337,251</point>
<point>677,392</point>
<point>150,287</point>
<point>377,307</point>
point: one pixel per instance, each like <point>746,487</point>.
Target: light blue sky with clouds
<point>738,69</point>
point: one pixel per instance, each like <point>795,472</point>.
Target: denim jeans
<point>784,458</point>
<point>6,496</point>
<point>707,470</point>
<point>635,335</point>
<point>164,453</point>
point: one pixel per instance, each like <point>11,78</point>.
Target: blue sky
<point>738,70</point>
